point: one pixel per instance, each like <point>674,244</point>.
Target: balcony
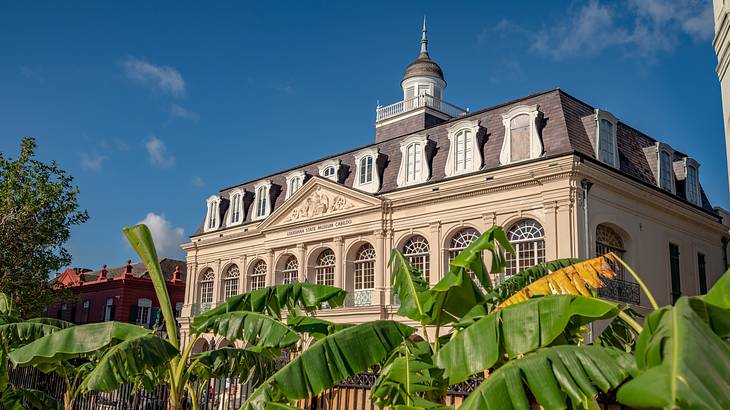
<point>622,291</point>
<point>419,101</point>
<point>359,298</point>
<point>199,308</point>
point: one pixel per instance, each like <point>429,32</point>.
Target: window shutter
<point>133,313</point>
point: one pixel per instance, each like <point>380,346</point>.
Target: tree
<point>38,206</point>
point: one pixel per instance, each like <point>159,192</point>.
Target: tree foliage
<point>38,207</point>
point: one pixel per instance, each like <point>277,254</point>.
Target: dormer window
<point>212,216</point>
<point>521,139</point>
<point>366,177</point>
<point>464,154</point>
<point>606,146</point>
<point>692,181</point>
<point>263,204</point>
<point>236,208</point>
<point>414,167</point>
<point>294,181</point>
<point>329,169</point>
<point>665,170</point>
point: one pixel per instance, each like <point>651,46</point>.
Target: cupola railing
<point>419,101</point>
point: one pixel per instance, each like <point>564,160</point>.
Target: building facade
<point>563,178</point>
<point>124,293</point>
<point>721,43</point>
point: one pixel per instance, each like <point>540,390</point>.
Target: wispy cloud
<point>182,112</point>
<point>92,162</point>
<point>163,78</point>
<point>157,153</point>
<point>166,236</point>
<point>197,181</point>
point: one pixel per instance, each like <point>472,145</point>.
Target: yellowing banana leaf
<point>127,361</point>
<point>259,330</point>
<point>683,364</point>
<point>410,287</point>
<point>553,375</point>
<point>575,279</point>
<point>328,361</point>
<point>517,330</point>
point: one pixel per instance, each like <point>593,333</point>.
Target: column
<point>217,297</point>
<point>381,259</point>
<point>270,268</point>
<point>436,254</point>
<point>552,245</point>
<point>339,262</point>
<point>302,259</point>
<point>386,276</point>
<point>565,230</point>
<point>243,271</point>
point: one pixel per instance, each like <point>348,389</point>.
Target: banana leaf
<point>259,330</point>
<point>271,300</point>
<point>76,341</point>
<point>315,327</point>
<point>493,240</point>
<point>553,375</point>
<point>517,330</point>
<point>20,333</point>
<point>682,362</point>
<point>126,361</point>
<point>24,399</point>
<point>7,307</point>
<point>407,377</point>
<point>717,303</point>
<point>453,297</point>
<point>619,334</point>
<point>576,279</point>
<point>520,280</point>
<point>61,324</point>
<point>229,362</point>
<point>410,287</point>
<point>330,360</point>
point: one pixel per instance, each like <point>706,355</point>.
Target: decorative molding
<point>212,205</point>
<point>374,185</point>
<point>266,185</point>
<point>294,174</point>
<point>229,215</point>
<point>533,111</point>
<point>422,140</point>
<point>319,203</point>
<point>476,162</point>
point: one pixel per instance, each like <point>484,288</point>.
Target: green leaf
<point>61,324</point>
<point>20,333</point>
<point>520,280</point>
<point>232,362</point>
<point>410,287</point>
<point>315,327</point>
<point>271,300</point>
<point>453,297</point>
<point>682,362</point>
<point>553,375</point>
<point>7,306</point>
<point>140,238</point>
<point>404,378</point>
<point>259,330</point>
<point>619,334</point>
<point>719,294</point>
<point>23,399</point>
<point>493,240</point>
<point>128,360</point>
<point>517,330</point>
<point>330,360</point>
<point>76,341</point>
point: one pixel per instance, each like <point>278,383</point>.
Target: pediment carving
<point>319,202</point>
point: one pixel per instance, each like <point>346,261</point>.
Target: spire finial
<point>424,40</point>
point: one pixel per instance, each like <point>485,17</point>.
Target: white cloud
<point>167,238</point>
<point>157,153</point>
<point>164,78</point>
<point>197,181</point>
<point>92,162</point>
<point>182,112</point>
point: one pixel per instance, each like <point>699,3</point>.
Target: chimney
<point>127,274</point>
<point>102,274</point>
<point>176,274</point>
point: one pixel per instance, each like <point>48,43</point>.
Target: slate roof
<point>568,126</point>
<point>139,270</point>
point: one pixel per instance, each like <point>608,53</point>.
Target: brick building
<point>124,293</point>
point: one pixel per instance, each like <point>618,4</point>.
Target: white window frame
<point>691,163</point>
<point>262,188</point>
<point>601,115</point>
<point>536,148</point>
<point>662,147</point>
<point>213,212</point>
<point>373,185</point>
<point>229,218</point>
<point>144,311</point>
<point>476,156</point>
<point>335,163</point>
<point>294,176</point>
<point>231,280</point>
<point>425,171</point>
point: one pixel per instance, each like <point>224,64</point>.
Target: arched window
<point>461,240</point>
<point>520,137</point>
<point>666,173</point>
<point>463,155</point>
<point>325,268</point>
<point>294,184</point>
<point>366,169</point>
<point>257,278</point>
<point>413,162</point>
<point>365,268</point>
<point>144,308</point>
<point>235,208</point>
<point>606,142</point>
<point>212,214</point>
<point>206,286</point>
<point>230,281</point>
<point>329,172</point>
<point>261,195</point>
<point>291,270</point>
<point>417,252</point>
<point>528,239</point>
<point>607,240</point>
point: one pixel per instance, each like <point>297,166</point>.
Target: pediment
<point>320,198</point>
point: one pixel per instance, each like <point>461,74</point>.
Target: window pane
<point>674,271</point>
<point>606,142</point>
<point>520,138</point>
<point>702,273</point>
<point>665,171</point>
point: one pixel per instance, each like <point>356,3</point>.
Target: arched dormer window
<point>235,210</point>
<point>330,169</point>
<point>692,181</point>
<point>262,200</point>
<point>366,177</point>
<point>665,167</point>
<point>464,153</point>
<point>294,181</point>
<point>521,139</point>
<point>212,216</point>
<point>606,143</point>
<point>414,168</point>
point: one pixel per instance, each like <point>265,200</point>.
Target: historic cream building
<point>721,44</point>
<point>564,178</point>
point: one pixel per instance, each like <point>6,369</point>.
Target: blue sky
<point>155,107</point>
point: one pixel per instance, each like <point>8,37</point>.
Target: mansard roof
<point>568,127</point>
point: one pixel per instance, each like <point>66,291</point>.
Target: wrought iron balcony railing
<point>359,298</point>
<point>621,291</point>
<point>419,101</point>
<point>199,308</point>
